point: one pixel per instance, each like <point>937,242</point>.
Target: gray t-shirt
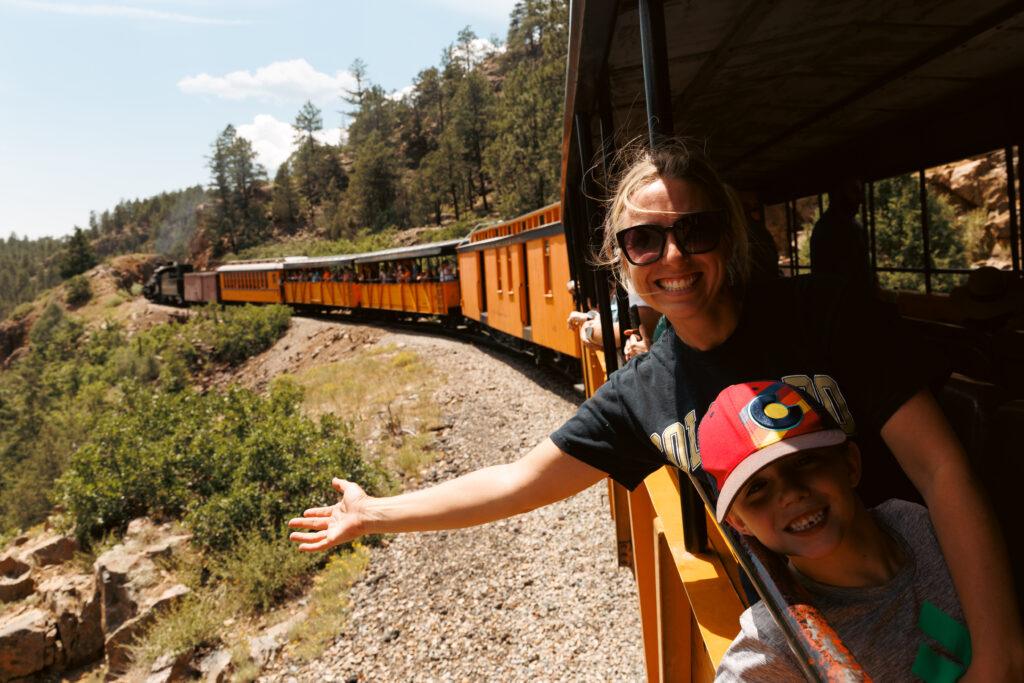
<point>880,624</point>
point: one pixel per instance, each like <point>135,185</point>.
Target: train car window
<point>499,255</point>
<point>547,268</point>
<point>790,225</point>
<point>481,283</point>
<point>508,265</point>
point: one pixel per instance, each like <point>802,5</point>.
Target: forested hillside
<point>476,135</point>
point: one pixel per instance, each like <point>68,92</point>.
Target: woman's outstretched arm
<point>544,475</point>
<point>931,455</point>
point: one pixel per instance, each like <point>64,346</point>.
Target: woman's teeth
<point>679,284</point>
<point>805,522</point>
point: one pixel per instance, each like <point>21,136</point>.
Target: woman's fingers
<point>299,537</point>
<point>308,522</point>
<point>319,512</point>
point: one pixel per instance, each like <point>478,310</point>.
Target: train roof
<point>548,230</point>
<point>255,266</point>
<point>415,251</point>
<point>794,94</point>
<point>323,261</point>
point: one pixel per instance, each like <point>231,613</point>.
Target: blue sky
<point>117,100</point>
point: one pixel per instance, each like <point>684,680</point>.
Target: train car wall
<point>550,300</point>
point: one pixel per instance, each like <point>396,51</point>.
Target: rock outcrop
<point>58,615</point>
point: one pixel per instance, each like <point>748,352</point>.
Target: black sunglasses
<point>696,233</point>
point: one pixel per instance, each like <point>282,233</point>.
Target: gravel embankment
<point>536,597</point>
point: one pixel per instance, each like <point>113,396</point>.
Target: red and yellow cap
<point>751,425</point>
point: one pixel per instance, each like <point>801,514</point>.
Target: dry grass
<point>329,604</point>
<point>386,394</point>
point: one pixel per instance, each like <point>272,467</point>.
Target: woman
<point>679,237</point>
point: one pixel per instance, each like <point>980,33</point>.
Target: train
<point>508,278</point>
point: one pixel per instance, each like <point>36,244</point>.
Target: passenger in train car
<point>838,245</point>
<point>447,273</point>
<point>786,474</point>
<point>677,235</point>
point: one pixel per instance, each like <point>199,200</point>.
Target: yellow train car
<point>259,282</point>
<point>515,276</point>
<point>327,282</point>
<point>419,280</point>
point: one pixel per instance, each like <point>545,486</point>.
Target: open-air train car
<point>790,97</point>
<point>434,295</point>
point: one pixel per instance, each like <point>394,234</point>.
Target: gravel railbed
<point>535,597</point>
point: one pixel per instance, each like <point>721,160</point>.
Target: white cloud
<point>274,140</point>
<point>106,10</point>
<point>478,49</point>
<point>399,95</point>
<point>293,80</point>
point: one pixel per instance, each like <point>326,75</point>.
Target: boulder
<point>172,667</point>
<point>16,581</point>
<point>28,644</point>
<point>118,642</point>
<point>75,603</point>
<point>133,588</point>
<point>47,550</point>
<point>216,667</point>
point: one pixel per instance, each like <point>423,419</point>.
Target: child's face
<point>803,505</point>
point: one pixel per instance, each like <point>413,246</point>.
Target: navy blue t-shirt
<point>850,351</point>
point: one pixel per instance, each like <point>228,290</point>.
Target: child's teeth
<point>807,522</point>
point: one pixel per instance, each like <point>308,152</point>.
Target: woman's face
<point>686,288</point>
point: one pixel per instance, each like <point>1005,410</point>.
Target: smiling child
<point>786,475</point>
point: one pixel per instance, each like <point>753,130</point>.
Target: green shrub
<point>136,289</point>
<point>233,464</point>
<point>259,572</point>
<point>22,310</point>
<point>77,291</point>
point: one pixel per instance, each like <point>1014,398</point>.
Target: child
<point>786,475</point>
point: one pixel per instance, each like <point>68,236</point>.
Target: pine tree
<point>78,256</point>
<point>284,202</point>
<point>307,123</point>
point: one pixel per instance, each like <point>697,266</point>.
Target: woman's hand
<point>335,524</point>
<point>635,346</point>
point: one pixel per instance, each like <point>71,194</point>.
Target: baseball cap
<point>751,425</point>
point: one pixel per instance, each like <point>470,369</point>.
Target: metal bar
<point>1011,192</point>
<point>934,271</point>
<point>794,246</point>
<point>655,64</point>
<point>594,224</point>
<point>871,220</point>
<point>607,130</point>
<point>925,237</point>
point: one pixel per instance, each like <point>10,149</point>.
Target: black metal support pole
<point>1011,192</point>
<point>871,224</point>
<point>925,237</point>
<point>600,276</point>
<point>655,63</point>
<point>604,106</point>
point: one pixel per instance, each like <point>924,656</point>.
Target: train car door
<point>524,287</point>
<point>482,286</point>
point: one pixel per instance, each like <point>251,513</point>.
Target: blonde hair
<point>675,159</point>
